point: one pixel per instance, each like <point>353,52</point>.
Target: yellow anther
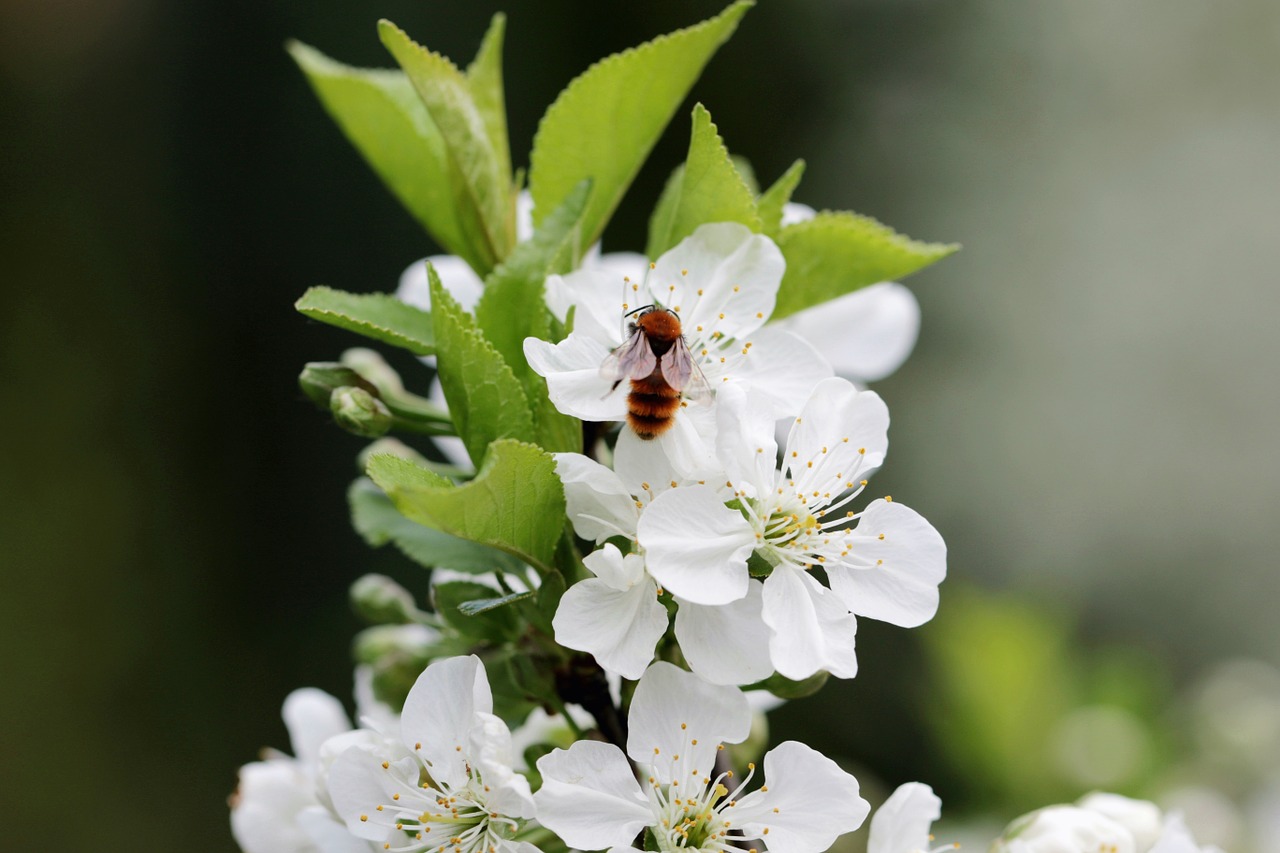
<point>686,272</point>
<point>881,537</point>
<point>385,765</point>
<point>652,265</point>
<point>736,288</point>
<point>759,316</point>
<point>364,818</point>
<point>889,498</point>
<point>395,796</point>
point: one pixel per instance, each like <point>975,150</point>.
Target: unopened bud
<point>381,642</point>
<point>319,379</point>
<point>381,601</point>
<point>359,412</point>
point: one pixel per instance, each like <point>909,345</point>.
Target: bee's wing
<point>682,372</point>
<point>632,360</point>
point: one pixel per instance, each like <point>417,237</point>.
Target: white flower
<point>279,805</point>
<point>902,824</point>
<point>678,722</point>
<point>472,801</point>
<point>722,281</point>
<point>1100,821</point>
<point>888,567</point>
<point>617,615</point>
<point>865,335</point>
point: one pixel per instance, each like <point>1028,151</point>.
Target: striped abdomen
<point>652,405</point>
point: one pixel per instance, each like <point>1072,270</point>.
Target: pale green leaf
<point>603,125</point>
<point>484,77</point>
<point>386,121</point>
<point>838,253</point>
<point>515,503</point>
<point>774,199</point>
<point>709,188</point>
<point>375,315</point>
<point>485,399</point>
<point>378,522</point>
<point>487,208</point>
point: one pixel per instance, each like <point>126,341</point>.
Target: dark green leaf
<point>485,399</point>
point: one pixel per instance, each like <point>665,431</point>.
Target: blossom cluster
<point>646,504</point>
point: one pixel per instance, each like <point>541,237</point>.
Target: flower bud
<point>359,412</point>
<point>381,601</point>
<point>319,379</point>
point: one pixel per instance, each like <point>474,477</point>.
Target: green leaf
<point>484,78</point>
<point>515,503</point>
<point>483,605</point>
<point>378,522</point>
<point>603,125</point>
<point>513,304</point>
<point>386,121</point>
<point>375,315</point>
<point>513,308</point>
<point>838,253</point>
<point>492,625</point>
<point>771,201</point>
<point>488,199</point>
<point>485,399</point>
<point>709,188</point>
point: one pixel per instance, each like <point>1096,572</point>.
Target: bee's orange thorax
<point>659,325</point>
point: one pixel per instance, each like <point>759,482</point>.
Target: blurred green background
<point>1089,418</point>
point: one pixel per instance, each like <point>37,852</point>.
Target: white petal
<point>793,212</point>
<point>456,276</point>
<point>1068,828</point>
<point>902,823</point>
<point>811,629</point>
<point>440,711</point>
<point>695,546</point>
<point>574,383</point>
<point>865,335</point>
<point>810,802</point>
<point>597,502</point>
<point>490,750</point>
<point>524,215</point>
<point>452,447</point>
<point>312,717</point>
<point>903,589</point>
<point>590,798</point>
<point>1141,817</point>
<point>269,797</point>
<point>597,297</point>
<point>677,720</point>
<point>358,784</point>
<point>780,370</point>
<point>644,466</point>
<point>620,628</point>
<point>737,272</point>
<point>726,644</point>
<point>617,571</point>
<point>745,442</point>
<point>327,834</point>
<point>844,432</point>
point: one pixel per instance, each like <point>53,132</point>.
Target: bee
<point>656,359</point>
